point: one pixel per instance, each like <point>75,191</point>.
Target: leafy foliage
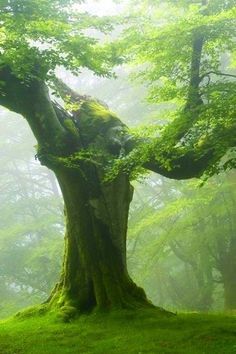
<point>38,36</point>
<point>183,52</point>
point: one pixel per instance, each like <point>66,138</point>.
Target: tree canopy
<point>184,52</point>
<point>38,36</point>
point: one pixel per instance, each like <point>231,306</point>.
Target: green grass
<point>120,332</point>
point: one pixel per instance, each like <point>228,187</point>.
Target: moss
<point>97,110</point>
<point>70,126</point>
<point>67,313</point>
<point>95,120</point>
<point>33,311</point>
<point>132,332</point>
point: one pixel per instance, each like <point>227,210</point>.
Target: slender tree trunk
<point>229,277</point>
<point>230,293</point>
<point>94,271</point>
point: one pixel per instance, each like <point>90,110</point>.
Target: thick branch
<point>74,97</point>
<point>185,167</point>
<point>34,103</point>
<point>65,91</point>
<point>179,162</point>
<point>31,99</point>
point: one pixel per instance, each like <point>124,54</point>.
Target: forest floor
<point>121,333</point>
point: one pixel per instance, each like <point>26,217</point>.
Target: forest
<point>117,176</point>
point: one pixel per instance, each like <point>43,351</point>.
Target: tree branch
<point>192,164</point>
<point>185,167</point>
<point>31,100</point>
<point>65,91</point>
<point>43,116</point>
<point>218,73</point>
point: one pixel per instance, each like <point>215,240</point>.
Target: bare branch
<point>218,73</point>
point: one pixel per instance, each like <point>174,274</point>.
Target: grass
<point>120,332</point>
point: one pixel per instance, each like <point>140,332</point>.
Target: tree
<point>80,143</point>
<point>181,242</point>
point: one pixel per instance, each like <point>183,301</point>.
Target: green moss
<point>70,126</point>
<point>33,311</point>
<point>67,313</point>
<point>130,332</point>
<point>98,111</point>
<point>95,120</point>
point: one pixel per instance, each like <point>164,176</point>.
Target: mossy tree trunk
<point>94,271</point>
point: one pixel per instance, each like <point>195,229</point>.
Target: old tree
<point>92,153</point>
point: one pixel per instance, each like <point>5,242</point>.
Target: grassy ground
<point>122,332</point>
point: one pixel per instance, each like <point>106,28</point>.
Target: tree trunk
<point>227,266</point>
<point>230,293</point>
<point>94,271</point>
<point>229,277</point>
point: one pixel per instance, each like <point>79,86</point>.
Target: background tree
<point>187,234</point>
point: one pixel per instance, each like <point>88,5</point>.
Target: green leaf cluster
<point>36,37</point>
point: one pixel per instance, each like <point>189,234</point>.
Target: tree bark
<point>94,271</point>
